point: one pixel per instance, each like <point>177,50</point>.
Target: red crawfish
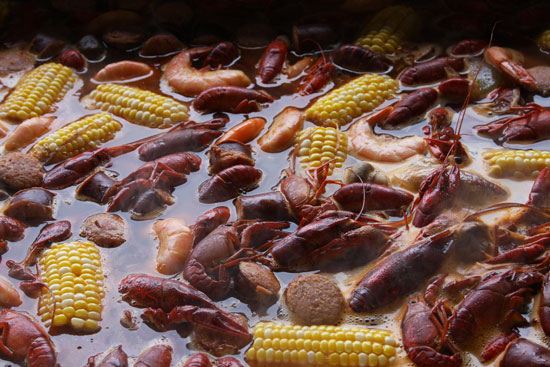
<point>436,193</point>
<point>209,221</point>
<point>229,183</point>
<point>357,197</point>
<point>422,337</point>
<point>24,340</point>
<point>496,346</point>
<point>332,234</point>
<point>493,301</point>
<point>318,75</point>
<point>430,71</point>
<point>223,54</point>
<point>273,60</point>
<point>115,358</point>
<point>170,303</point>
<point>544,307</point>
<point>360,59</point>
<point>468,47</point>
<point>540,192</point>
<point>158,355</point>
<point>401,273</point>
<point>525,353</point>
<point>231,99</point>
<point>190,137</point>
<point>531,126</point>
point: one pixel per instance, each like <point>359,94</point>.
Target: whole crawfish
<point>318,75</point>
<point>423,340</point>
<point>492,302</point>
<point>430,71</point>
<point>540,192</point>
<point>401,273</point>
<point>273,60</point>
<point>437,192</point>
<point>531,126</point>
<point>360,59</point>
<point>23,340</point>
<point>170,302</point>
<point>231,99</point>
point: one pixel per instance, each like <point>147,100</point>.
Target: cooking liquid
<point>138,253</point>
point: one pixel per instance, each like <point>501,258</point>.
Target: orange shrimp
<point>185,79</point>
<point>123,71</point>
<point>27,132</point>
<point>244,132</point>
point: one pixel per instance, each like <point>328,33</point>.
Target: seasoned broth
<point>225,21</point>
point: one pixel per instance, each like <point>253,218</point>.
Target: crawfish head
<point>436,193</point>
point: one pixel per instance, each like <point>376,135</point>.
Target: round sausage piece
<point>20,171</point>
<point>314,299</point>
<point>105,230</point>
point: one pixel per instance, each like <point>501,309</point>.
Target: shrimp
<point>365,144</point>
<point>27,132</point>
<point>175,245</point>
<point>186,80</point>
<point>511,62</point>
<point>9,297</point>
<point>123,71</point>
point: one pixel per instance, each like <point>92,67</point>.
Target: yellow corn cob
<point>138,106</point>
<point>76,137</point>
<point>342,105</point>
<point>389,27</point>
<point>286,345</point>
<point>37,92</point>
<point>519,164</point>
<point>72,272</point>
<point>316,145</point>
<point>544,41</point>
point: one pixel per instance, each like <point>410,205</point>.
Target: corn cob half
<point>389,27</point>
<point>139,106</point>
<point>76,137</point>
<point>72,271</point>
<point>287,345</point>
<point>544,40</point>
<point>361,95</point>
<point>37,92</point>
<point>518,164</point>
<point>317,145</point>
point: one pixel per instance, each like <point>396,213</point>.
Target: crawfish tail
<point>401,273</point>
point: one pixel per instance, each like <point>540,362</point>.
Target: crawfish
<point>23,340</point>
<point>544,307</point>
<point>273,59</point>
<point>360,59</point>
<point>229,183</point>
<point>468,47</point>
<point>525,353</point>
<point>430,71</point>
<point>115,358</point>
<point>159,355</point>
<point>401,273</point>
<point>317,76</point>
<point>437,192</point>
<point>357,197</point>
<point>531,126</point>
<point>421,331</point>
<point>492,302</point>
<point>223,54</point>
<point>540,192</point>
<point>170,302</point>
<point>231,99</point>
<point>209,221</point>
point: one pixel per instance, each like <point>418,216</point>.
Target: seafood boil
<point>274,183</point>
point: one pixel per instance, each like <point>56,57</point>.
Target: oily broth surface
<point>138,253</point>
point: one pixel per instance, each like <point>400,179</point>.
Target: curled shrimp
<point>123,71</point>
<point>27,132</point>
<point>185,79</point>
<point>365,144</point>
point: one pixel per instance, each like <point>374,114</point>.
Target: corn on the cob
<point>72,271</point>
<point>317,145</point>
<point>278,344</point>
<point>518,164</point>
<point>76,137</point>
<point>544,41</point>
<point>37,92</point>
<point>138,106</point>
<point>342,105</point>
<point>389,27</point>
